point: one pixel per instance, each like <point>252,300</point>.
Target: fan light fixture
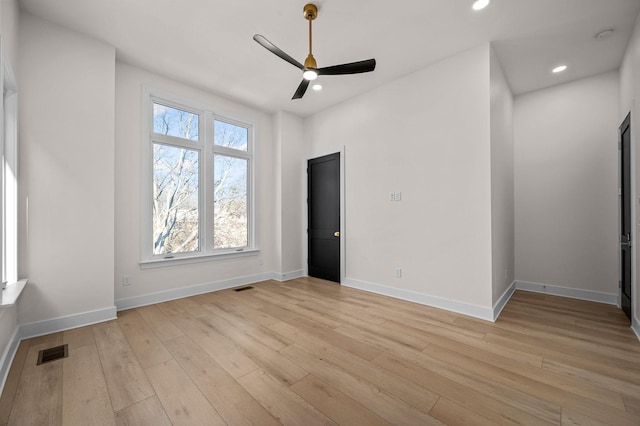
<point>310,70</point>
<point>480,4</point>
<point>317,87</point>
<point>310,75</point>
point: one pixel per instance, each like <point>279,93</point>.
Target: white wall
<point>426,135</point>
<point>629,99</point>
<point>66,89</point>
<point>502,191</point>
<point>129,139</point>
<point>290,153</point>
<point>566,200</point>
<point>9,17</point>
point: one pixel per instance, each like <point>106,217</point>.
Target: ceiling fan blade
<point>302,88</point>
<point>350,68</point>
<point>276,50</point>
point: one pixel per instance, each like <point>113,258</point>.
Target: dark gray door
<point>626,225</point>
<point>323,192</point>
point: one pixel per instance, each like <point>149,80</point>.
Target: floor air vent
<point>243,288</point>
<point>51,354</point>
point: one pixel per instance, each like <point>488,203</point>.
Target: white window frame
<point>207,149</point>
<point>8,174</point>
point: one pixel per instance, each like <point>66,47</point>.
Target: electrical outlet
<point>126,281</point>
<point>398,273</point>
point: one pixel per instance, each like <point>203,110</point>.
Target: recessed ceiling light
<point>480,4</point>
<point>559,68</point>
<point>317,87</point>
<point>602,35</point>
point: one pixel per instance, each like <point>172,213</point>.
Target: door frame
<point>626,154</point>
<point>631,110</point>
<point>343,233</point>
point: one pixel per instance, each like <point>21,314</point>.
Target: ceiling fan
<point>310,70</point>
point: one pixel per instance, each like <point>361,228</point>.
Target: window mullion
<point>208,182</point>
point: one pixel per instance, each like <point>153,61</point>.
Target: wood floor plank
<point>190,306</point>
<point>234,404</point>
<point>384,405</point>
<point>416,396</point>
<point>85,401</point>
<point>550,324</point>
<point>290,304</point>
<point>335,404</point>
<point>13,378</point>
<point>182,400</point>
<point>501,350</point>
<point>450,413</point>
<point>480,402</point>
<point>148,412</point>
<point>614,384</point>
<point>426,323</point>
<point>574,402</point>
<point>228,355</point>
<point>268,359</point>
<point>125,378</point>
<point>255,329</point>
<point>632,403</point>
<point>569,383</point>
<point>79,337</point>
<point>329,335</point>
<point>142,340</point>
<point>534,405</point>
<point>599,364</point>
<point>284,405</point>
<point>247,310</point>
<point>38,398</point>
<point>158,322</point>
<point>381,338</point>
<point>346,313</point>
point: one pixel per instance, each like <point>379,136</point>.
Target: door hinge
<point>619,191</point>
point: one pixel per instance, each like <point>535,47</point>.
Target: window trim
<point>206,148</point>
<point>8,188</point>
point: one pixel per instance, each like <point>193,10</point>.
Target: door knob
<point>336,234</point>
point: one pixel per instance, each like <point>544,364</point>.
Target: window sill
<point>11,294</point>
<point>184,260</point>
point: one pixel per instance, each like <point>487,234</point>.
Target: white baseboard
<point>55,325</point>
<point>573,293</point>
<point>635,326</point>
<point>286,276</point>
<point>179,293</point>
<point>476,311</point>
<point>503,300</point>
<point>8,355</point>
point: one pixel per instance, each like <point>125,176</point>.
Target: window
<point>9,176</point>
<point>198,186</point>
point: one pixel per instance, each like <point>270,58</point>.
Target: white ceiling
<point>208,43</point>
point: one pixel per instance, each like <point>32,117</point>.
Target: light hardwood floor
<point>309,352</point>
